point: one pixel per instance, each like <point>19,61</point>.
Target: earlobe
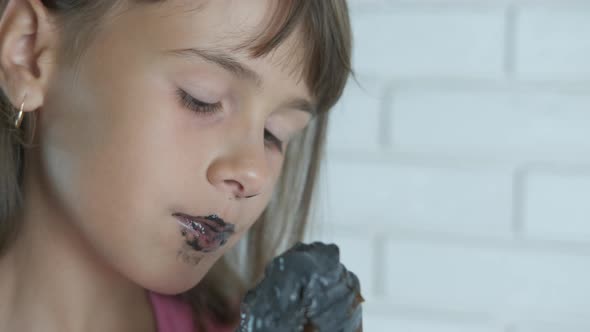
<point>27,42</point>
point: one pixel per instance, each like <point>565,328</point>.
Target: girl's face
<point>161,119</point>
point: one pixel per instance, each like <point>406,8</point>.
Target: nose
<point>242,173</point>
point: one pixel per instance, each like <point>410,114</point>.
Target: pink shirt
<point>174,315</point>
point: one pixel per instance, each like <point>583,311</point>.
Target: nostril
<point>235,187</point>
<point>238,178</point>
<point>237,190</point>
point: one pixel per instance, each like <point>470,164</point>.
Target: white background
<point>458,175</point>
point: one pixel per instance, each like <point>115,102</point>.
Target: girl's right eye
<point>196,105</point>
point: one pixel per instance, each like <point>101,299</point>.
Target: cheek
<point>108,157</point>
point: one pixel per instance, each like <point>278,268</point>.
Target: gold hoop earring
<point>19,117</point>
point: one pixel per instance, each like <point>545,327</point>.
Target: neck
<point>52,280</point>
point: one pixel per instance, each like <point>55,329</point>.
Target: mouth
<point>204,234</point>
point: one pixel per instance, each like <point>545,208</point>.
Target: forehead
<point>220,25</point>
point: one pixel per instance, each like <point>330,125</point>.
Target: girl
<point>141,139</point>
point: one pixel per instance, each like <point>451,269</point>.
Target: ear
<point>27,45</point>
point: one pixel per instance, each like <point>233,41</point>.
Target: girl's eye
<point>200,107</point>
<point>273,140</point>
<point>196,105</point>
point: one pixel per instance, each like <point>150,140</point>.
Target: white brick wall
<point>557,205</point>
<point>417,196</point>
<point>504,283</point>
<point>551,42</point>
<point>383,46</point>
<point>512,122</point>
<point>458,175</point>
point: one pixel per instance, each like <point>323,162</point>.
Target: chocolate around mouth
<point>205,234</point>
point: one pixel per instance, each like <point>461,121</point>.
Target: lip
<point>204,233</point>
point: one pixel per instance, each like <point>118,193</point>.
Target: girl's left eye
<point>196,105</point>
<point>273,140</point>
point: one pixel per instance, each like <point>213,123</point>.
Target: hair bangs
<point>325,40</point>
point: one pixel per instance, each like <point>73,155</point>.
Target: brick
<point>450,200</point>
<point>522,125</point>
<point>551,327</point>
<point>355,120</point>
<point>552,42</point>
<point>508,285</point>
<point>556,206</point>
<point>376,323</point>
<point>418,42</point>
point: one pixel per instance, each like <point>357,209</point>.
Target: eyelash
<point>207,109</point>
<point>196,105</point>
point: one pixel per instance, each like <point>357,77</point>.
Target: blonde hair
<point>326,31</point>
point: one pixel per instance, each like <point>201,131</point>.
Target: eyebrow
<point>237,69</point>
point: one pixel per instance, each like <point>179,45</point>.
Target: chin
<point>173,276</point>
<point>175,283</point>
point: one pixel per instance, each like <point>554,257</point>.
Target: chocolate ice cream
<point>304,289</point>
